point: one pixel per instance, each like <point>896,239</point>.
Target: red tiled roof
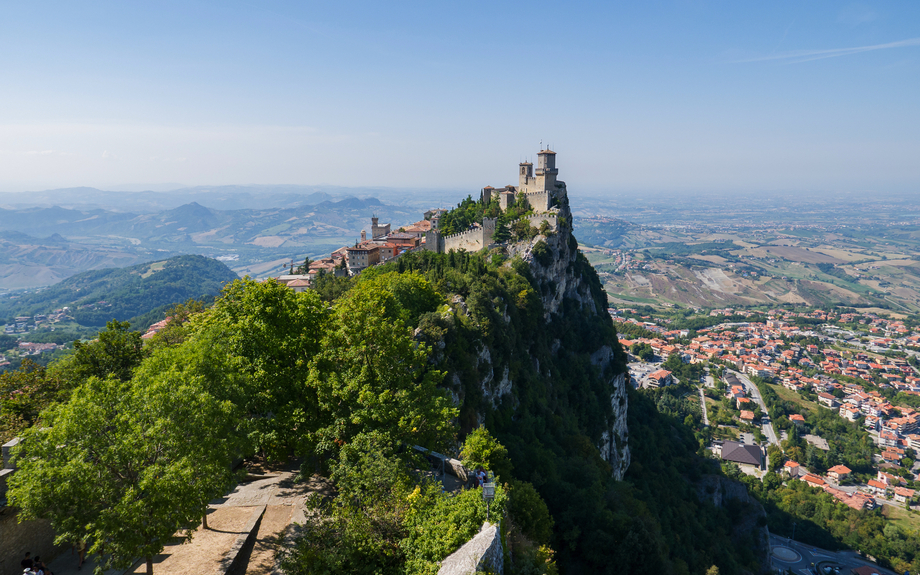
<point>813,479</point>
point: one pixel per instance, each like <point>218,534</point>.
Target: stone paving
<point>284,504</point>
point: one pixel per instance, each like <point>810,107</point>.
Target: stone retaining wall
<point>484,552</point>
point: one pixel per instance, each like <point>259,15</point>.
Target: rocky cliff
<point>530,352</point>
<point>565,275</point>
<point>558,320</point>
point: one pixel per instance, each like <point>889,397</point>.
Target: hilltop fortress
<point>542,191</point>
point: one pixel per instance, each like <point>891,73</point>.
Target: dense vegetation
<point>470,211</point>
<point>556,414</point>
<point>345,377</point>
<point>138,293</point>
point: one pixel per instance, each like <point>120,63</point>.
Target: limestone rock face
<point>487,374</point>
<point>719,490</point>
<point>560,279</point>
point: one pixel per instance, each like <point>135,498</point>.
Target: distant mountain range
<point>214,197</point>
<point>48,236</point>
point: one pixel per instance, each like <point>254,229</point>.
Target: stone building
<point>378,229</point>
<point>542,190</point>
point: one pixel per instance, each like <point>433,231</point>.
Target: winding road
<point>755,395</point>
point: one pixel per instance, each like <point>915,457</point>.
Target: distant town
<point>781,369</point>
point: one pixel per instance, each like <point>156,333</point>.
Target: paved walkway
<point>283,501</point>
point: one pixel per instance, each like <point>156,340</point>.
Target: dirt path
<point>268,540</point>
<point>207,547</point>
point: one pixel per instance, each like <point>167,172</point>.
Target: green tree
<point>24,393</point>
<point>523,230</point>
<point>480,449</point>
<point>372,375</point>
<point>529,512</point>
<point>502,233</point>
<point>177,326</point>
<point>775,455</point>
<point>643,351</point>
<point>272,333</point>
<point>8,342</point>
<point>125,465</point>
<point>116,352</point>
<point>305,266</point>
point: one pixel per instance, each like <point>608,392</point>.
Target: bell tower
<point>525,176</point>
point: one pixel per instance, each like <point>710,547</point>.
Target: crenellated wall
<point>470,240</point>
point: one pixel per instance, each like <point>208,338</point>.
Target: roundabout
<point>786,555</point>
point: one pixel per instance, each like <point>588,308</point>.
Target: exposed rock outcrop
<point>561,277</point>
<point>719,491</point>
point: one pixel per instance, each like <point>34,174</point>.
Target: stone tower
<point>378,229</point>
<point>546,171</point>
<point>525,176</point>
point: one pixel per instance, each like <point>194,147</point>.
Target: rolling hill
<point>98,296</point>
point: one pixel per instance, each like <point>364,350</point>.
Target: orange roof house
<point>814,480</point>
<point>839,472</point>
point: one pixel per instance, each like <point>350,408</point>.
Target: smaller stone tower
<point>488,230</point>
<point>525,176</point>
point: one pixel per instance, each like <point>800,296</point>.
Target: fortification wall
<point>470,240</point>
<point>537,219</point>
<point>538,200</point>
<point>36,537</point>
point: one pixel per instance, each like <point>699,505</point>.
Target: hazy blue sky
<point>635,96</point>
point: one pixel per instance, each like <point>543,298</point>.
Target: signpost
<point>488,494</point>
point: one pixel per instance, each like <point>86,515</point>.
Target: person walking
<point>27,563</point>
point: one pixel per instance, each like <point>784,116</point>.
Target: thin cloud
<point>798,56</point>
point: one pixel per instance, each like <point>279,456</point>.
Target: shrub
<point>542,253</point>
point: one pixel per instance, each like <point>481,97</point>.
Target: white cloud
<point>798,56</point>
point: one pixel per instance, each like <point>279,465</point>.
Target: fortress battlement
<point>541,190</point>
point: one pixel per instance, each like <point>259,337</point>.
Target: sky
<point>635,97</point>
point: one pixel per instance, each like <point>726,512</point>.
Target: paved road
<point>755,395</point>
<point>846,560</point>
<point>703,406</point>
